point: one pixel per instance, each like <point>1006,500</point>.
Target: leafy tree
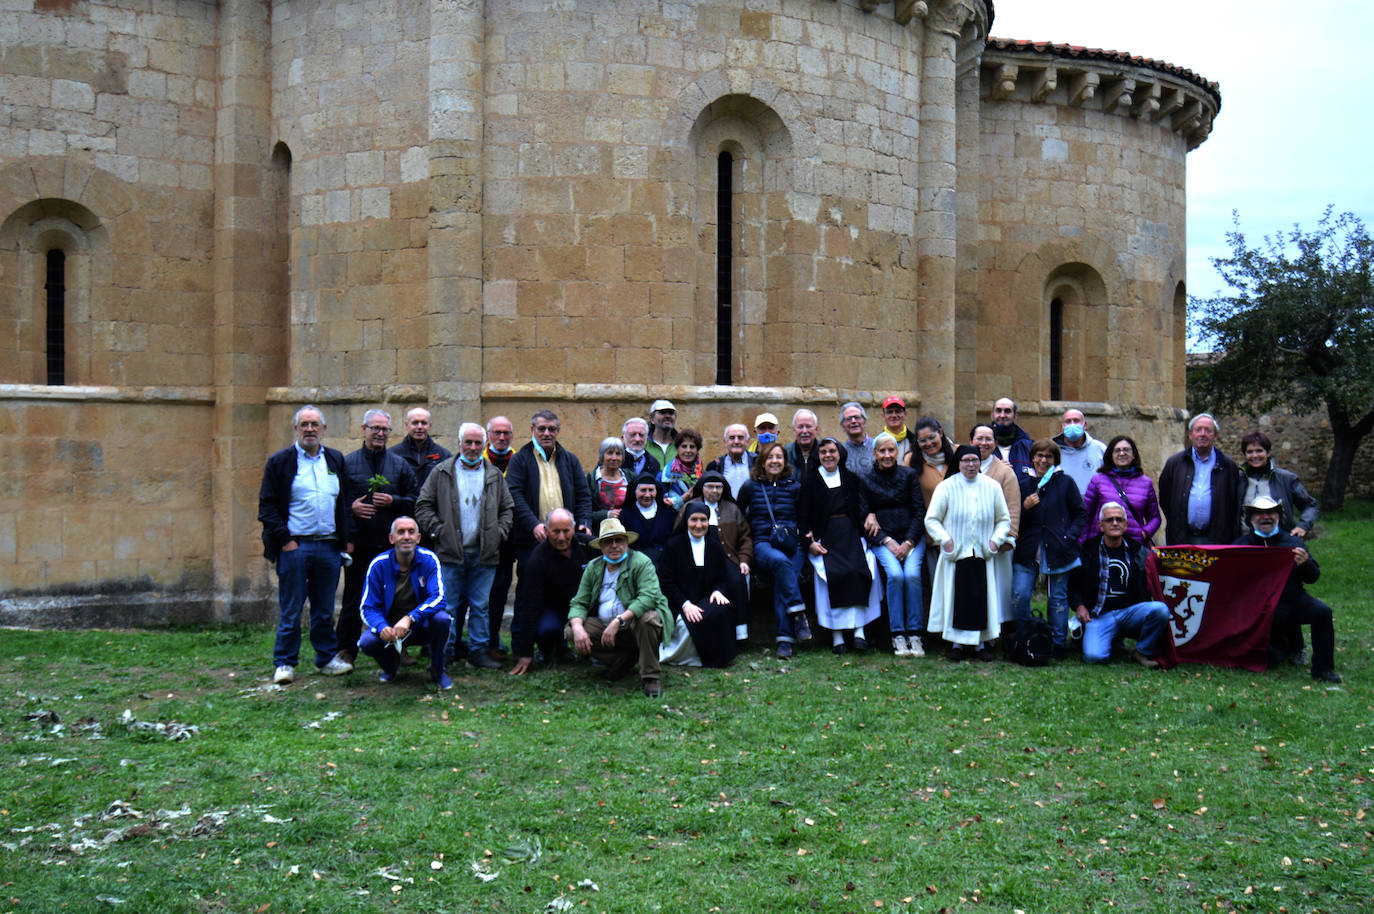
<point>1298,330</point>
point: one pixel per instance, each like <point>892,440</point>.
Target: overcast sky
<point>1295,131</point>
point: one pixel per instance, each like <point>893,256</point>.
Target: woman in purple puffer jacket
<point>1120,479</point>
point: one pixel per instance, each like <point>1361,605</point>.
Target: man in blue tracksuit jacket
<point>404,596</point>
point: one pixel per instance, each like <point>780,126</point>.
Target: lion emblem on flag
<point>1186,599</point>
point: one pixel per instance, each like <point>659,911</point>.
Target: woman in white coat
<point>968,520</point>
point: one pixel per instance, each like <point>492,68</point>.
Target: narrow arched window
<point>55,288</point>
<point>725,245</point>
<point>1057,349</point>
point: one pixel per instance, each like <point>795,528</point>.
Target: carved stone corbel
<point>1147,101</point>
<point>1082,87</point>
<point>1119,95</point>
<point>1046,81</point>
<point>905,10</point>
<point>1004,83</point>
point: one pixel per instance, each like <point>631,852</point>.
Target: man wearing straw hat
<point>619,615</point>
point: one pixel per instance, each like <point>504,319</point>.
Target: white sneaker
<point>283,675</point>
<point>899,646</point>
<point>914,646</point>
<point>336,667</point>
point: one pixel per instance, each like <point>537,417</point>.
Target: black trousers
<point>1308,610</point>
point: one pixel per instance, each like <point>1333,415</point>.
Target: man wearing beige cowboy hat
<point>619,615</point>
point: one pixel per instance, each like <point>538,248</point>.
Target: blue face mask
<point>1073,433</point>
<point>470,463</point>
<point>1262,535</point>
<point>610,561</point>
<point>767,437</point>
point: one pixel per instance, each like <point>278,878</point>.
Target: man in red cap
<point>894,422</point>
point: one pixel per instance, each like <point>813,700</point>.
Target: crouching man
<point>619,615</point>
<point>1111,597</point>
<point>1296,605</point>
<point>403,596</point>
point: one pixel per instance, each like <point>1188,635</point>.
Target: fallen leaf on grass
<point>1159,803</point>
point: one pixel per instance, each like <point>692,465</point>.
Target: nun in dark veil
<point>833,508</point>
<point>649,516</point>
<point>697,578</point>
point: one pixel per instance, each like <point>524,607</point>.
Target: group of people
<point>651,557</point>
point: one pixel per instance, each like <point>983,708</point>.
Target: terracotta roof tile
<point>1074,51</point>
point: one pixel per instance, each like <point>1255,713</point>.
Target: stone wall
<point>491,207</point>
<point>1302,443</point>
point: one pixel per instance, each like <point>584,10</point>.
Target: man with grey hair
<point>737,460</point>
<point>466,511</point>
<point>1111,599</point>
<point>635,434</point>
<point>306,527</point>
<point>417,448</point>
<point>383,489</point>
<point>801,453</point>
<point>1199,490</point>
<point>854,421</point>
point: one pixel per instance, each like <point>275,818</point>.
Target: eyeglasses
<point>1113,520</point>
<point>924,441</point>
<point>378,429</point>
<point>546,428</point>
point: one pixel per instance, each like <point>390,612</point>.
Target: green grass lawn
<point>872,784</point>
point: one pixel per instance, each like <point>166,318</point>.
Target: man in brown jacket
<point>466,510</point>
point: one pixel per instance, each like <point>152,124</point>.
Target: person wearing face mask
<point>1298,513</point>
<point>619,614</point>
<point>1080,454</point>
<point>466,510</point>
<point>765,431</point>
<point>1296,605</point>
<point>697,579</point>
<point>650,518</point>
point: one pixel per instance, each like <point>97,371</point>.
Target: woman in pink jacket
<point>1120,479</point>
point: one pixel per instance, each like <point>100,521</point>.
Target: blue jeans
<point>1023,582</point>
<point>308,572</point>
<point>433,630</point>
<point>906,615</point>
<point>468,585</point>
<point>1147,623</point>
<point>787,598</point>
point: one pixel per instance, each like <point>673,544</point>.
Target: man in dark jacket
<point>1198,490</point>
<point>417,448</point>
<point>1013,444</point>
<point>306,526</point>
<point>548,583</point>
<point>1110,595</point>
<point>1296,605</point>
<point>383,489</point>
<point>542,476</point>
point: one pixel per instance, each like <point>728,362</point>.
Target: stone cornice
<point>1110,81</point>
<point>903,11</point>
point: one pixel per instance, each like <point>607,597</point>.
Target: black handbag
<point>1033,642</point>
<point>782,537</point>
